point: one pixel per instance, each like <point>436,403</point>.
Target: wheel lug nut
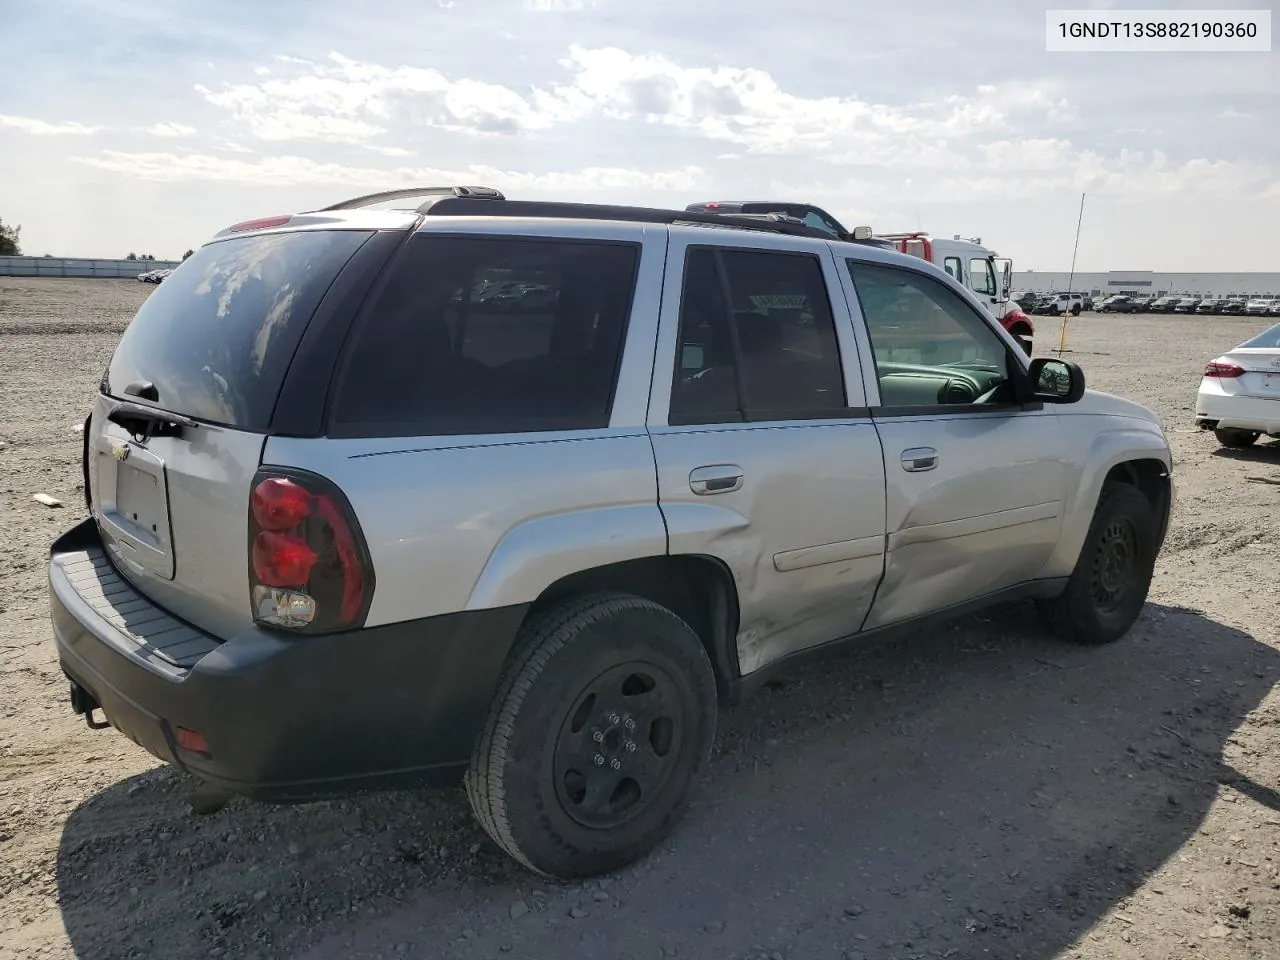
<point>629,724</point>
<point>631,746</point>
<point>614,718</point>
<point>598,737</point>
<point>616,764</point>
<point>599,758</point>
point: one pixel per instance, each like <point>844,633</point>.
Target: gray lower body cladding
<point>287,718</point>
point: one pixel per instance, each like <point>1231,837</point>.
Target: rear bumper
<point>1240,413</point>
<point>286,718</point>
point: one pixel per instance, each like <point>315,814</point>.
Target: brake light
<point>309,567</point>
<point>1225,371</point>
<point>282,560</point>
<point>279,504</point>
<point>264,223</point>
<point>711,206</point>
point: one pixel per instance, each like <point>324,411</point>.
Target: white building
<point>1147,283</point>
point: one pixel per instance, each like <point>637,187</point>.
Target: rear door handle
<point>716,478</point>
<point>919,459</point>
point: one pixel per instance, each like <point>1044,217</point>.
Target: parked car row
<point>1187,304</point>
<point>1054,304</point>
<point>154,276</point>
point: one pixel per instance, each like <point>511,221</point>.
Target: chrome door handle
<point>919,459</point>
<point>717,478</point>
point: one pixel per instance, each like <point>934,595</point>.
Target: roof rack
<point>471,193</point>
<point>462,206</point>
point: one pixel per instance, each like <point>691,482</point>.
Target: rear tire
<point>604,716</point>
<point>1231,437</point>
<point>1109,584</point>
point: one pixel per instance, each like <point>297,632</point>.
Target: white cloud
<point>45,128</point>
<point>170,130</point>
<point>349,101</point>
<point>746,106</point>
<point>300,171</point>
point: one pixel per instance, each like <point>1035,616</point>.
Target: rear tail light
<point>1225,371</point>
<point>309,567</point>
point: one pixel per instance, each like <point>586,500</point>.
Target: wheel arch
<point>697,588</point>
<point>1134,457</point>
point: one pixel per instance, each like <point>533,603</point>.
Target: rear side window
<point>1268,339</point>
<point>216,338</point>
<point>757,340</point>
<point>474,335</point>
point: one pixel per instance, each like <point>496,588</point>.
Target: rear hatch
<point>185,405</point>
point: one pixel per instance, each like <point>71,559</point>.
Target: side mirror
<point>1006,278</point>
<point>1055,381</point>
<point>861,233</point>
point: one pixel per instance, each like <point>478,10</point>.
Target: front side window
<point>478,335</point>
<point>982,278</point>
<point>757,339</point>
<point>930,347</point>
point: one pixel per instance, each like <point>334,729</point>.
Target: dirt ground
<point>982,791</point>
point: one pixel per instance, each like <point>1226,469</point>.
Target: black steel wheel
<point>1108,587</point>
<point>603,718</point>
<point>619,745</point>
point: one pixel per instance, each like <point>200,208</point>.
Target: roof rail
<point>471,207</point>
<point>472,193</point>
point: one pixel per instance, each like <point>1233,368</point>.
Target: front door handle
<point>716,478</point>
<point>919,459</point>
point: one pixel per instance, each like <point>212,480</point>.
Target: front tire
<point>1112,576</point>
<point>1231,437</point>
<point>605,715</point>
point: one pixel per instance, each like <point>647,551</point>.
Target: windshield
<point>216,338</point>
<point>1268,339</point>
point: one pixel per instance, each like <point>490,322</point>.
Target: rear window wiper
<point>144,422</point>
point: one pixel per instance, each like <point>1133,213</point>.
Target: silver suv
<point>435,486</point>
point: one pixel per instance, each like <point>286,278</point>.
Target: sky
<point>148,126</point>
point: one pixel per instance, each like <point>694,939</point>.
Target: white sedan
<point>1239,397</point>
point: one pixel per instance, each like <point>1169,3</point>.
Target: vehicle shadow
<point>980,789</point>
<point>1263,452</point>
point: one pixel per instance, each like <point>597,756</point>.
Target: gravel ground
<point>982,791</point>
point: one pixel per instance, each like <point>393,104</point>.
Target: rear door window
<point>757,340</point>
<point>216,338</point>
<point>474,335</point>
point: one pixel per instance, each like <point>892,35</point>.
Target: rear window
<point>1267,340</point>
<point>216,338</point>
<point>475,335</point>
